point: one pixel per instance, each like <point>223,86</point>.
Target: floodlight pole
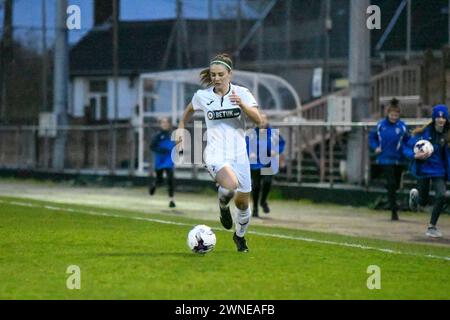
<point>327,27</point>
<point>210,28</point>
<point>179,31</point>
<point>359,74</point>
<point>60,84</point>
<point>238,28</point>
<point>5,57</point>
<point>288,29</point>
<point>408,31</point>
<point>116,57</point>
<point>114,117</point>
<point>44,56</point>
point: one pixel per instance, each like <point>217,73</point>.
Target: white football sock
<point>242,221</point>
<point>225,196</point>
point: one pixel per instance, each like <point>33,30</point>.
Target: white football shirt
<point>225,122</point>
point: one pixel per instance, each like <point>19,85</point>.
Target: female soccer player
<point>387,142</point>
<point>431,167</point>
<point>225,105</point>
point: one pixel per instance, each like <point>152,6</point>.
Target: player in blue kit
<point>162,146</point>
<point>431,168</point>
<point>225,106</point>
<point>387,142</point>
<point>264,144</point>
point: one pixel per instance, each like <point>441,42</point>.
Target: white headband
<point>221,62</point>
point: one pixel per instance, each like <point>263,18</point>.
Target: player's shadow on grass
<point>155,254</point>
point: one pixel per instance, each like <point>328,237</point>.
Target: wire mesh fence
<point>315,152</point>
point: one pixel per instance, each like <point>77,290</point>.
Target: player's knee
<point>226,193</point>
<point>230,185</point>
<point>241,204</point>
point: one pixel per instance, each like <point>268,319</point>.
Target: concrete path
<point>303,215</point>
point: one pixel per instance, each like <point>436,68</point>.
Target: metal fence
<point>315,152</point>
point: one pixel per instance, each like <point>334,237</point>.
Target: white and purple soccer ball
<point>201,239</point>
<point>423,146</point>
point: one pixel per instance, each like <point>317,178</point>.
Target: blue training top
<point>263,142</point>
<point>438,164</point>
<point>390,137</point>
<point>162,147</point>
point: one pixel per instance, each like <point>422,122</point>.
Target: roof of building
<point>143,45</point>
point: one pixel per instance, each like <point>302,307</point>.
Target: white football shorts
<point>241,169</point>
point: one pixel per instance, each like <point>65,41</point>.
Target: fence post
<point>114,150</point>
<point>37,149</point>
<point>374,92</point>
<point>18,146</point>
<point>289,162</point>
<point>366,159</point>
<point>110,154</point>
<point>132,150</point>
<point>194,172</point>
<point>299,155</point>
<point>331,154</point>
<point>46,158</point>
<point>95,150</point>
<point>79,154</point>
<point>86,147</point>
<point>2,148</point>
<point>32,148</point>
<point>322,156</point>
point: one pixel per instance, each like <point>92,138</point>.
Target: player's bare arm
<point>251,112</point>
<point>187,115</point>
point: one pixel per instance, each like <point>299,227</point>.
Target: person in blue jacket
<point>263,167</point>
<point>431,167</point>
<point>387,141</point>
<point>162,146</point>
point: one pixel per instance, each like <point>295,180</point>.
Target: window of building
<point>98,99</point>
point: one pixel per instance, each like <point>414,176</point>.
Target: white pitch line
<point>346,244</point>
<point>264,234</point>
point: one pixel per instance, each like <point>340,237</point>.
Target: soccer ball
<point>423,146</point>
<point>201,239</point>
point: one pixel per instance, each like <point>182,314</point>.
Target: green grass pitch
<point>130,255</point>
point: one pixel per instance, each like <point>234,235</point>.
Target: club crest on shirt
<point>224,114</point>
<point>397,130</point>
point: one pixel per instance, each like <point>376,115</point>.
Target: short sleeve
<point>196,102</point>
<point>248,98</point>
